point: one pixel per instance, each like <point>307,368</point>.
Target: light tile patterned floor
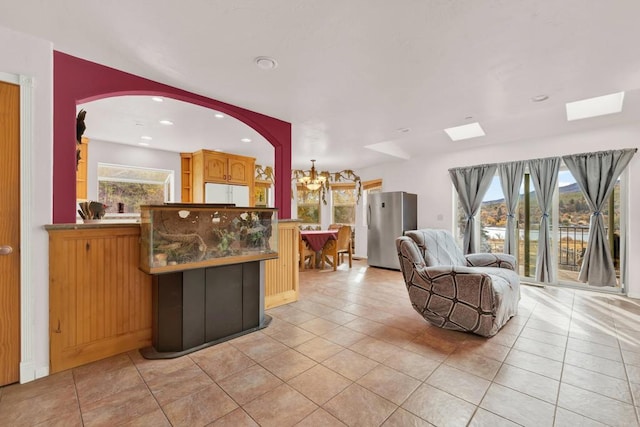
<point>353,352</point>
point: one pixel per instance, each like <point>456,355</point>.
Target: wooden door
<point>241,170</point>
<point>9,233</point>
<point>215,167</point>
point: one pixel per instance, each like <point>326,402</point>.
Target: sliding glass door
<point>570,228</point>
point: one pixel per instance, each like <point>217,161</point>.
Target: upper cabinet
<point>241,170</point>
<point>227,168</point>
<point>224,168</point>
<point>216,166</point>
<point>204,167</point>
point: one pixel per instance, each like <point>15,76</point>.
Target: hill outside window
<point>133,186</point>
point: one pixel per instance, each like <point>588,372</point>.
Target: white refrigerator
<point>389,215</point>
<point>225,193</point>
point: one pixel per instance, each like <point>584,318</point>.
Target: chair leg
<point>350,262</point>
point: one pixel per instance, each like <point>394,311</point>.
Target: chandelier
<point>313,180</point>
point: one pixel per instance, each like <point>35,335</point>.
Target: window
<point>308,205</point>
<point>343,200</point>
<point>493,218</point>
<point>132,186</point>
<point>569,226</point>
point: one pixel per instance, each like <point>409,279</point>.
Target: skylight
<point>458,133</point>
<point>593,107</point>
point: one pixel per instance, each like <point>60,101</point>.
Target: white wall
<point>29,56</point>
<point>129,155</point>
<point>428,177</point>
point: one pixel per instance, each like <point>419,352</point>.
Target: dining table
<point>317,238</point>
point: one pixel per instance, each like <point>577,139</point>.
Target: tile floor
<point>353,352</point>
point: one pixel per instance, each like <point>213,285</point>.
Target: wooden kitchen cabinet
<point>186,195</point>
<point>81,170</point>
<point>241,170</point>
<point>223,168</point>
<point>214,167</point>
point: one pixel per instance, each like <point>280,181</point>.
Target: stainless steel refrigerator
<point>389,215</point>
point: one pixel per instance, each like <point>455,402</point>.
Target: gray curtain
<point>510,179</point>
<point>544,174</point>
<point>596,175</point>
<point>471,183</point>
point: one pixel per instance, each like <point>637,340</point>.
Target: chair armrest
<point>409,255</point>
<point>491,260</point>
<point>457,284</point>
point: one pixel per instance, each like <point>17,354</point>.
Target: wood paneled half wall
<point>99,301</point>
<point>281,275</point>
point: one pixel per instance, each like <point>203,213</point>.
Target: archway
<point>76,80</point>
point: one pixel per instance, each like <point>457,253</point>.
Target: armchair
<point>475,293</point>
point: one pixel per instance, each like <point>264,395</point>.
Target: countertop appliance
<point>389,215</point>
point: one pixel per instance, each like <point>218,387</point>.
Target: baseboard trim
<point>29,372</point>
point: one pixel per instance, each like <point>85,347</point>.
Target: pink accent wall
<point>77,81</point>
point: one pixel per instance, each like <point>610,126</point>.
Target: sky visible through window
<point>495,190</point>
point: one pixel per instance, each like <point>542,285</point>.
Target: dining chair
<point>306,252</point>
<point>337,248</point>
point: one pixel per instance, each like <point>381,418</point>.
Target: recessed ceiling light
<point>245,140</point>
<point>593,107</point>
<point>166,122</point>
<point>219,116</point>
<point>157,99</point>
<point>266,63</point>
<point>458,133</point>
<point>144,144</point>
<point>539,98</point>
<point>146,138</point>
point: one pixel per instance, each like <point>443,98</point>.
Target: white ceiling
<point>351,73</point>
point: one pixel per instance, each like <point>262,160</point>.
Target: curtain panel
<point>510,179</point>
<point>596,175</point>
<point>544,174</point>
<point>471,184</point>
